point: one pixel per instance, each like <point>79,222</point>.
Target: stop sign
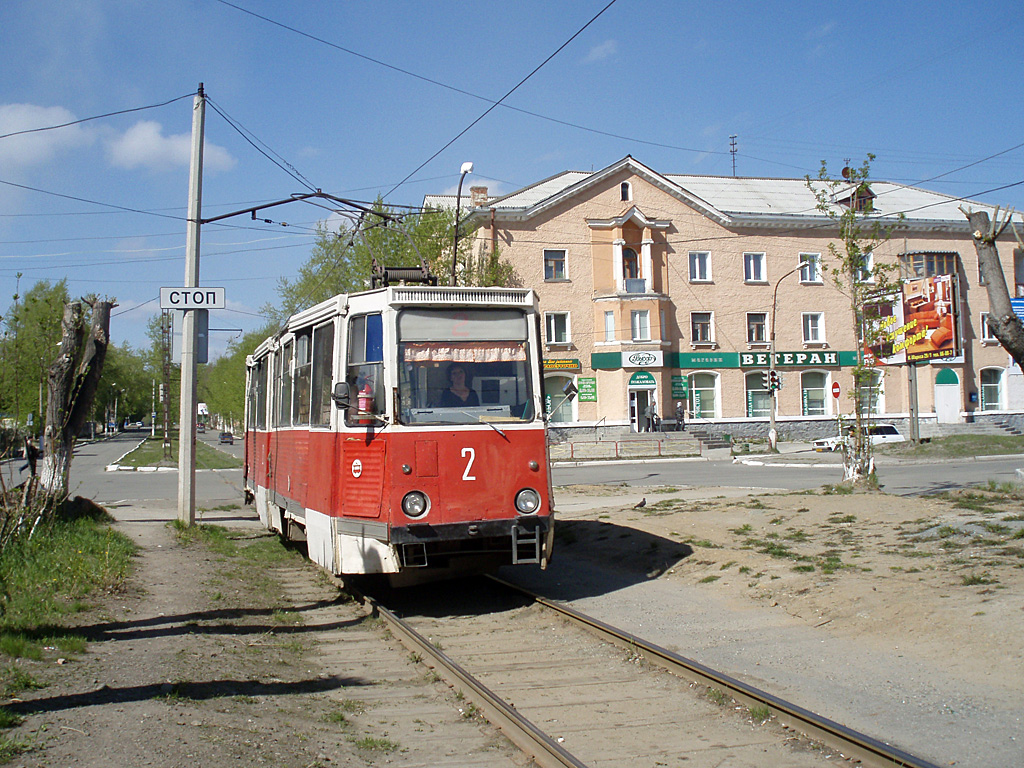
<point>835,389</point>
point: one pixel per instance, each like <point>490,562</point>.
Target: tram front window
<point>464,367</point>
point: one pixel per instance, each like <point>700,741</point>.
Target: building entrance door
<point>639,399</point>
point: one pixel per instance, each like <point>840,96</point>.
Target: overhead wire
<point>94,117</point>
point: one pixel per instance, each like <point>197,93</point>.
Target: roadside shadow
<point>214,622</point>
<point>198,691</point>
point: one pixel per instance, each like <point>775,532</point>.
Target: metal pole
<point>772,434</point>
<point>187,420</point>
<point>466,168</point>
<point>915,416</point>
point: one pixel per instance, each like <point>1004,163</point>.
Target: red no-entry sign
<point>835,389</point>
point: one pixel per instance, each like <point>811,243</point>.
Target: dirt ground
<point>942,577</point>
<point>214,659</point>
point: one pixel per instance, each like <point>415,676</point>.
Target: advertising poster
<point>917,325</point>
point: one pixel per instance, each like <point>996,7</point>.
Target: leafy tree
<point>860,234</point>
<point>342,262</point>
<point>222,383</point>
<point>32,333</point>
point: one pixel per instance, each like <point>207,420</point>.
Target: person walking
<point>649,418</point>
<point>680,418</point>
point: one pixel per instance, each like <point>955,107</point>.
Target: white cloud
<point>822,30</point>
<point>145,146</point>
<point>31,149</point>
<point>602,51</point>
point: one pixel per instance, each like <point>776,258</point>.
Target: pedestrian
<point>32,454</point>
<point>649,418</point>
<point>680,418</point>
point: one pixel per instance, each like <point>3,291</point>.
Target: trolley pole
<point>187,419</point>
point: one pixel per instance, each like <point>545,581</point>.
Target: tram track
<point>578,703</point>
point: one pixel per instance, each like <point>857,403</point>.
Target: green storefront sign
<point>805,358</point>
<point>587,389</point>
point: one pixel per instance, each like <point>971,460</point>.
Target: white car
<point>878,434</point>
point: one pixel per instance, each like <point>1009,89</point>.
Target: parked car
<point>201,428</point>
<point>877,433</point>
<point>226,437</point>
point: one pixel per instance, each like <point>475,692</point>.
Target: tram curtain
<point>465,352</point>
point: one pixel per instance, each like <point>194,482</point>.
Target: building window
<point>991,389</point>
<point>557,327</point>
<point>986,330</point>
<point>814,327</point>
<point>759,399</point>
<point>870,392</point>
<point>865,273</point>
<point>754,268</point>
<point>702,328</point>
<point>700,267</point>
<point>757,323</point>
<point>625,192</point>
<point>812,388</point>
<point>641,324</point>
<point>810,267</point>
<point>554,265</point>
<point>609,326</point>
<point>558,407</point>
<point>630,264</point>
<point>927,264</point>
<point>704,395</point>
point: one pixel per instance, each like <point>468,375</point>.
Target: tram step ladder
<point>525,545</point>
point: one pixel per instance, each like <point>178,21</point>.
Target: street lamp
<point>466,168</point>
<point>772,435</point>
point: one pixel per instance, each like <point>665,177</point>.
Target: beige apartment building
<point>660,289</point>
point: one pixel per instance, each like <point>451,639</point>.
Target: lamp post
<point>466,168</point>
<point>772,435</point>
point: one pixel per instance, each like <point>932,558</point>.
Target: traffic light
<point>765,380</point>
<point>774,380</point>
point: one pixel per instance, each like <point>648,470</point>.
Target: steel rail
<point>850,743</point>
<point>545,751</point>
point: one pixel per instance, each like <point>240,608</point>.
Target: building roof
<point>742,201</point>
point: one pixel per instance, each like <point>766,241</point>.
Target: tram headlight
<point>415,504</point>
<point>527,501</point>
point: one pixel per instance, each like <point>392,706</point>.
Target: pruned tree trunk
<point>74,377</point>
<point>1003,323</point>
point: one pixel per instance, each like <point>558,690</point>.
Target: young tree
<point>854,272</point>
<point>1004,324</point>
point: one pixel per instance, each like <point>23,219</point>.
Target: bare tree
<point>73,379</point>
<point>1003,323</point>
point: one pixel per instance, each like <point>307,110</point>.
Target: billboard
<point>919,324</point>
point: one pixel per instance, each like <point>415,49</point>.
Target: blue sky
<point>933,89</point>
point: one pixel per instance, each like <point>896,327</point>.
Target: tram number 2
<point>470,455</point>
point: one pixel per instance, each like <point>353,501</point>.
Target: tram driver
<point>460,391</point>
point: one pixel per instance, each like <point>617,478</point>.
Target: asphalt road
<point>793,473</point>
<point>786,472</point>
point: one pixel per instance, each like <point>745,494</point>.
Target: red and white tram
<point>401,430</point>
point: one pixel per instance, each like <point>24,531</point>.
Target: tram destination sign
<point>192,298</point>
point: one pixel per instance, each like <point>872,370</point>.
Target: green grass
<point>958,446</point>
<point>151,454</point>
<point>376,744</point>
<point>51,576</point>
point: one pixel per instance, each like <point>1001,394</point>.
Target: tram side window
<point>261,376</point>
<point>252,397</point>
<point>323,355</point>
<point>302,378</point>
<point>365,368</point>
<point>283,387</point>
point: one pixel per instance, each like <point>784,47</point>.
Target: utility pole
<point>187,419</point>
<point>732,151</point>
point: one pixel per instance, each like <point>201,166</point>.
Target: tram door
<point>639,399</point>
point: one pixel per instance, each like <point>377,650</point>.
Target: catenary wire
<point>94,117</point>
